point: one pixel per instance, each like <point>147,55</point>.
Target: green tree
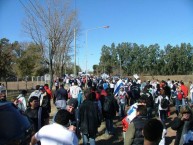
<point>30,62</point>
<point>7,58</point>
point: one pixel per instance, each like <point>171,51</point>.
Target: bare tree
<point>51,25</point>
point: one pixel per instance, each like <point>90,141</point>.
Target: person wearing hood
<point>21,98</point>
<point>36,93</point>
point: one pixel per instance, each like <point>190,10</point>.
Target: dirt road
<point>117,139</point>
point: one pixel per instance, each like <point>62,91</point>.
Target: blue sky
<point>136,21</point>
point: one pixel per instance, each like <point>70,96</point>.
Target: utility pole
<point>74,52</point>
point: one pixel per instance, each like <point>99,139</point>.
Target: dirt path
<point>117,139</point>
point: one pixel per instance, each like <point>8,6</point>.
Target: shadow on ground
<point>104,139</point>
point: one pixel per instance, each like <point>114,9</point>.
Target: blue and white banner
<point>131,113</point>
<point>118,86</point>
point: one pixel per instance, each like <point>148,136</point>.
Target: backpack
<point>107,104</point>
<point>164,103</point>
<point>149,99</point>
<point>135,91</point>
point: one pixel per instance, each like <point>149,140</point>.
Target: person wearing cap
<point>56,133</point>
<point>179,122</point>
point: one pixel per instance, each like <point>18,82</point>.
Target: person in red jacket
<point>185,91</point>
<point>46,87</point>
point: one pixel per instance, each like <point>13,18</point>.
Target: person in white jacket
<point>162,109</point>
<point>22,101</point>
<point>36,93</point>
<point>191,92</point>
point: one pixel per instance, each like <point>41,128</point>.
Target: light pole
<point>74,52</point>
<point>87,46</point>
<point>119,64</point>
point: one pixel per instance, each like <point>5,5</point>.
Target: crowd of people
<point>82,105</point>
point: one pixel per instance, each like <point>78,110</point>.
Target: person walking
<point>121,97</point>
<point>60,97</point>
<point>133,135</point>
<point>191,92</point>
<point>21,98</point>
<point>184,89</point>
<point>56,133</point>
<point>75,90</point>
<point>36,92</point>
<point>179,123</point>
<point>37,114</point>
<point>88,118</point>
<point>163,102</point>
<point>152,137</point>
<point>110,107</point>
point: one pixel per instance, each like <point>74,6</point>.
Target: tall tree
<point>7,58</point>
<point>51,25</point>
<point>30,62</point>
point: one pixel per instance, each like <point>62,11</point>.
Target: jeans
<point>122,110</point>
<point>109,126</point>
<point>149,112</point>
<point>178,105</point>
<point>87,140</point>
<point>183,102</point>
<point>163,115</point>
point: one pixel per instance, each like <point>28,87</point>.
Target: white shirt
<point>122,96</point>
<point>112,85</point>
<point>159,98</point>
<point>56,134</point>
<point>36,93</point>
<point>191,88</point>
<point>74,91</point>
<point>23,104</point>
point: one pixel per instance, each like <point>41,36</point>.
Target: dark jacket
<point>113,109</point>
<point>32,114</point>
<point>88,118</point>
<point>46,102</point>
<point>139,122</point>
<point>61,94</point>
<point>133,134</point>
<point>178,125</point>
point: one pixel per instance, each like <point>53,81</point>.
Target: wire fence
<point>14,86</point>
